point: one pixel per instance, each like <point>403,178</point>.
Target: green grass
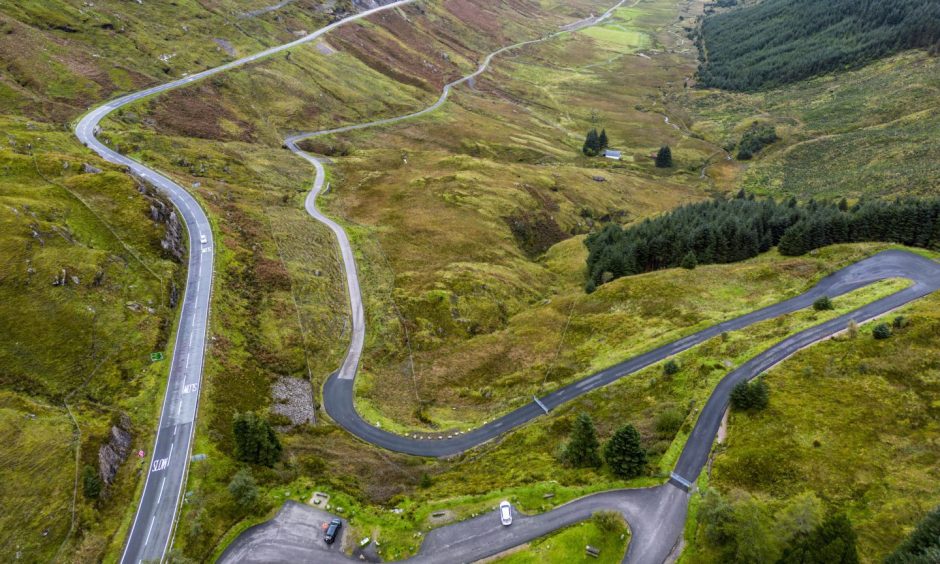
<point>869,132</point>
<point>83,346</point>
<point>854,420</point>
<point>568,546</point>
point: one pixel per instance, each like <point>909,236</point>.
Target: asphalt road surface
<point>152,529</point>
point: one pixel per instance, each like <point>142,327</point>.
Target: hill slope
<point>779,41</point>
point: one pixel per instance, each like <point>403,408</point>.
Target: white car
<point>505,513</point>
<point>203,240</point>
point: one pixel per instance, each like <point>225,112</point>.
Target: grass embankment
<point>856,422</point>
<point>864,133</point>
<point>610,538</point>
<point>83,342</point>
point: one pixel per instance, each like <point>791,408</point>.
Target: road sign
<point>141,454</point>
<point>154,357</point>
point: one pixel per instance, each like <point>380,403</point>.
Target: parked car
<point>332,531</point>
<point>505,513</point>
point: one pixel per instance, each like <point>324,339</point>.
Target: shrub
<point>668,422</point>
<point>670,367</point>
<point>900,322</point>
<point>852,329</point>
<point>881,331</point>
<point>91,483</point>
<point>822,304</point>
<point>426,481</point>
<point>610,522</point>
<point>689,261</point>
<point>244,489</point>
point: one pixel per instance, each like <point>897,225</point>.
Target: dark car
<point>332,531</point>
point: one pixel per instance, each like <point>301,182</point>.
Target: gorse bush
<point>774,42</point>
<point>730,230</point>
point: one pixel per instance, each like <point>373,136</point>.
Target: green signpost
<point>154,357</point>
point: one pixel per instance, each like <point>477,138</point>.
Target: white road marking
<point>159,464</point>
<point>190,388</point>
<point>150,528</point>
<point>160,495</point>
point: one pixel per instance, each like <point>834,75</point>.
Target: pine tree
<point>823,304</point>
<point>843,205</point>
<point>689,261</point>
<point>923,545</point>
<point>582,449</point>
<point>255,440</point>
<point>602,140</point>
<point>624,453</point>
<point>664,157</point>
<point>760,394</point>
<point>832,542</point>
<point>592,144</point>
<point>740,396</point>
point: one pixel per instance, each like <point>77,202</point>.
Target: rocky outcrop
<point>162,212</point>
<point>114,452</point>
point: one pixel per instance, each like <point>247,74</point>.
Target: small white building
<point>611,154</point>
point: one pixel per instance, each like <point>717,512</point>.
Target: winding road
<point>656,515</point>
<point>151,531</point>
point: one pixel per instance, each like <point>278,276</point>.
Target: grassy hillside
<point>774,42</point>
<point>85,297</point>
<point>855,422</point>
<point>864,133</point>
<point>61,56</point>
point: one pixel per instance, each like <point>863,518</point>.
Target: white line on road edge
<point>542,405</point>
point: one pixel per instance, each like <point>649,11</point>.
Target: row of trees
<point>623,452</point>
<point>774,42</point>
<point>730,230</point>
